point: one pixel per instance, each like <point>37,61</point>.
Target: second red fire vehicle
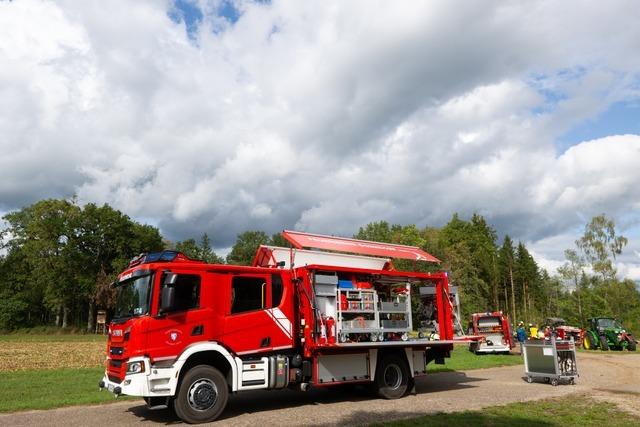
<point>494,330</point>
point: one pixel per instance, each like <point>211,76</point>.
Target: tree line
<point>59,258</point>
<point>504,276</point>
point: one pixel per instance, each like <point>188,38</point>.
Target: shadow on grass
<point>467,418</point>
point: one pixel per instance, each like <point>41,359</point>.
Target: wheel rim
<point>392,376</point>
<point>202,394</point>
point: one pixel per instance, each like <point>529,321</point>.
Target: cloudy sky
<point>224,116</point>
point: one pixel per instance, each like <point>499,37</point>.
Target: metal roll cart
<point>551,359</point>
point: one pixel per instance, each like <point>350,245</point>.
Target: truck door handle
<point>197,330</point>
<point>266,342</point>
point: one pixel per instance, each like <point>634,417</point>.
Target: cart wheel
<point>420,334</point>
<point>547,379</point>
<point>573,381</point>
<point>554,382</point>
<point>529,380</point>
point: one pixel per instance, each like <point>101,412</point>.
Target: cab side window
<point>187,292</point>
<point>248,294</point>
<point>276,290</point>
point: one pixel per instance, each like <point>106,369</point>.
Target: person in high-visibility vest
<point>533,331</point>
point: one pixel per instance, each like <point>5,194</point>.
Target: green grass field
<point>51,388</point>
<point>462,360</point>
<point>568,411</point>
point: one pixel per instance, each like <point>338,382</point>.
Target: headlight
<point>135,367</point>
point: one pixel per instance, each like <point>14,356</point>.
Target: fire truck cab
<point>187,334</point>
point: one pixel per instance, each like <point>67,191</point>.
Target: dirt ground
<point>609,377</point>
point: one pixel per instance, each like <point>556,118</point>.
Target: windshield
<point>609,323</point>
<point>133,298</point>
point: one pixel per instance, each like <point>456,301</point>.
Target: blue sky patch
<point>621,118</point>
<point>229,11</point>
<point>550,87</point>
<point>189,12</point>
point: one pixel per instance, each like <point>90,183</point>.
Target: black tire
<point>588,342</point>
<point>631,346</point>
<point>604,345</point>
<point>392,377</point>
<point>202,395</point>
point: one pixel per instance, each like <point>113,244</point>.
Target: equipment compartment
<point>373,311</point>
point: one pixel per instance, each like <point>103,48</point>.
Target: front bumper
<point>153,382</point>
<point>484,348</point>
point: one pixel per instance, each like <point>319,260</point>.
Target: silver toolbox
<point>394,324</point>
<point>326,279</point>
<point>393,306</point>
<point>325,290</point>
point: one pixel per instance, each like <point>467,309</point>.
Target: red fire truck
<point>186,334</point>
<point>494,330</point>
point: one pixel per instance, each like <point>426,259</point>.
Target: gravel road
<point>612,377</point>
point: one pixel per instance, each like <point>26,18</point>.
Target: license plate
<point>110,388</point>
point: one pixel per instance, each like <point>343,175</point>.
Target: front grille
<point>117,351</point>
<point>114,379</point>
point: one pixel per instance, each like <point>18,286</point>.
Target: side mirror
<point>170,278</point>
<point>168,298</point>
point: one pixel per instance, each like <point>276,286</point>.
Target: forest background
<point>57,260</point>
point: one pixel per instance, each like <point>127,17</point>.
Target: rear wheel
<point>604,345</point>
<point>588,343</point>
<point>202,396</point>
<point>392,377</point>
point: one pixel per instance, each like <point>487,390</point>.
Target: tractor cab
<point>605,323</point>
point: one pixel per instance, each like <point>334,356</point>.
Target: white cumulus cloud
<point>322,115</point>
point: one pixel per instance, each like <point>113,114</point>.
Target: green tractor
<point>607,333</point>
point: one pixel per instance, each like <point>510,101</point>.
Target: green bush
<point>13,312</point>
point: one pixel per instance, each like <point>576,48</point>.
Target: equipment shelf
<point>363,313</point>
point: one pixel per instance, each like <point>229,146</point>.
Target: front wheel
<point>588,343</point>
<point>392,377</point>
<point>604,345</point>
<point>202,396</point>
<point>631,346</point>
